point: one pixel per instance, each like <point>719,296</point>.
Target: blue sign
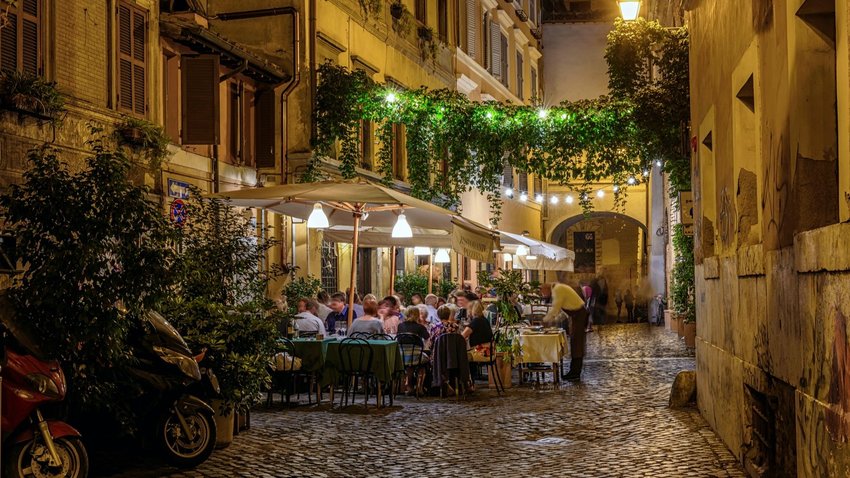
<point>178,189</point>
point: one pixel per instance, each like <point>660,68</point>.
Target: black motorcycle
<point>173,381</point>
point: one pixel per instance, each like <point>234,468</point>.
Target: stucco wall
<point>575,62</point>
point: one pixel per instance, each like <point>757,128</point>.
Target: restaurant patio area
<point>614,423</point>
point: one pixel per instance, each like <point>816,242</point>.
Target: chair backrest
<point>355,355</point>
<point>380,337</point>
<point>286,351</point>
<point>412,349</point>
<point>361,335</point>
<point>308,335</point>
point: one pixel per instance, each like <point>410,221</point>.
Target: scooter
<point>34,446</point>
<point>184,426</point>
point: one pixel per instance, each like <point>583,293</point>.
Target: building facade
<point>771,141</point>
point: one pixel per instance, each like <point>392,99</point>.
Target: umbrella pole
<point>354,256</point>
<point>430,271</point>
<point>392,270</point>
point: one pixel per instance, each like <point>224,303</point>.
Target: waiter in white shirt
<point>570,301</point>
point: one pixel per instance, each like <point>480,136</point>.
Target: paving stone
<point>615,423</point>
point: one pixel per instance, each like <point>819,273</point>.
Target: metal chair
<point>380,337</point>
<point>450,364</point>
<point>491,366</point>
<point>355,363</point>
<point>413,356</point>
<point>281,378</point>
<point>361,335</point>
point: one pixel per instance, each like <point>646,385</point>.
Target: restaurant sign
<point>476,245</point>
<point>686,211</point>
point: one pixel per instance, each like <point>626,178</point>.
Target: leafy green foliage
<point>300,287</point>
<point>26,92</point>
<point>145,137</point>
<point>444,288</point>
<point>91,243</point>
<point>411,283</point>
<point>506,283</point>
<point>682,288</point>
<point>221,302</point>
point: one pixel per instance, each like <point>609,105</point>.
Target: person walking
<point>629,300</point>
<point>618,298</point>
<point>572,302</point>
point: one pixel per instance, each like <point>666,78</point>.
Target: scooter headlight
<point>187,365</point>
<point>44,385</point>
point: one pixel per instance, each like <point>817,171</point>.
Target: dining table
<point>543,347</point>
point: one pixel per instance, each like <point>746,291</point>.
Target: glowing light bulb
<point>631,180</point>
<point>509,192</point>
<point>489,115</point>
<point>317,219</point>
<point>563,116</point>
<point>523,197</point>
<point>569,200</point>
<point>553,199</point>
<point>391,97</point>
<point>538,198</point>
<point>542,114</point>
<point>616,188</point>
<point>600,194</point>
<point>658,162</point>
<point>402,228</point>
<point>645,172</point>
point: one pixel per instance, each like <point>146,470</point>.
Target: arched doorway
<point>611,253</point>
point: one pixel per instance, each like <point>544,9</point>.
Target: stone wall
<point>773,263</point>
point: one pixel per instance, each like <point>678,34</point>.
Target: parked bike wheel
<point>31,460</point>
<point>178,447</point>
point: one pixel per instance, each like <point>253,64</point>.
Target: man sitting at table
<point>339,312</point>
<point>306,319</point>
<point>570,301</point>
<point>370,323</point>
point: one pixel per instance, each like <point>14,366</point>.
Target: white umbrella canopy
<point>360,203</point>
<point>542,263</point>
<point>535,247</point>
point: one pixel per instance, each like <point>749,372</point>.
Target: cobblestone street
<point>614,424</point>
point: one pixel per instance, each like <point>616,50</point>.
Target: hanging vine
<point>616,137</point>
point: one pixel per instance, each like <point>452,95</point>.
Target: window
<point>240,128</point>
<point>200,99</point>
<point>503,57</point>
<point>538,184</point>
<point>443,20</point>
<point>532,11</point>
<point>485,38</point>
<point>421,11</point>
<point>330,274</point>
<point>171,94</point>
<point>519,79</point>
<point>398,151</point>
<point>471,28</point>
<point>132,52</point>
<point>507,176</point>
<point>534,84</point>
<point>522,185</point>
<point>20,39</point>
<point>264,126</point>
<point>234,120</point>
<point>366,144</point>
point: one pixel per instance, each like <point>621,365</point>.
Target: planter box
<point>425,34</point>
<point>223,424</point>
<point>680,327</point>
<point>504,370</point>
<point>690,335</point>
<point>668,319</point>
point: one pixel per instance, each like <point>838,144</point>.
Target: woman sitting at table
<point>478,332</point>
<point>369,323</point>
<point>412,324</point>
<point>388,311</point>
<point>447,325</point>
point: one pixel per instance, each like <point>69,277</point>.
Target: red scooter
<point>34,446</point>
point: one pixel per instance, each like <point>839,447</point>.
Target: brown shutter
<point>9,44</point>
<point>132,43</point>
<point>471,28</point>
<point>200,99</point>
<point>264,128</point>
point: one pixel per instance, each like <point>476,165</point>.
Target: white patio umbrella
<point>361,203</point>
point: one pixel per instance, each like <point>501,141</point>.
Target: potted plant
<point>221,304</point>
<point>32,95</point>
<point>507,284</point>
<point>145,137</point>
<point>690,333</point>
<point>411,283</point>
<point>425,33</point>
<point>397,9</point>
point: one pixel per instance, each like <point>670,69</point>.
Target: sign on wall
<point>178,189</point>
<point>584,243</point>
<point>686,211</point>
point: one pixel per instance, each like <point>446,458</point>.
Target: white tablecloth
<point>543,348</point>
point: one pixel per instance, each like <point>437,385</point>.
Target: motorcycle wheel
<point>30,460</point>
<point>177,448</point>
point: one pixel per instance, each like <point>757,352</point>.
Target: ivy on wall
<point>616,137</point>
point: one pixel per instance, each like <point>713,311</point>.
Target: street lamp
<point>630,9</point>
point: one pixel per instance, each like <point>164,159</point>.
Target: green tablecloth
<point>312,353</point>
<point>386,360</point>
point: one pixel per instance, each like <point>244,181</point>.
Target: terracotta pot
<point>223,424</point>
<point>680,327</point>
<point>503,368</point>
<point>690,335</point>
<point>668,319</point>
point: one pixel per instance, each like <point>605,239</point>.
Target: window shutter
<point>503,56</point>
<point>507,176</point>
<point>519,83</point>
<point>523,182</point>
<point>132,49</point>
<point>471,28</point>
<point>495,50</point>
<point>9,44</point>
<point>264,128</point>
<point>30,47</point>
<point>200,99</point>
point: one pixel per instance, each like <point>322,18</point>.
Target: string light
<point>563,116</point>
<point>616,188</point>
<point>538,198</point>
<point>542,114</point>
<point>554,199</point>
<point>658,162</point>
<point>600,194</point>
<point>569,199</point>
<point>509,192</point>
<point>523,197</point>
<point>489,115</point>
<point>645,172</point>
<point>391,97</point>
<point>631,180</point>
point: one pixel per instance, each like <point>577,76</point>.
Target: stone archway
<point>611,252</point>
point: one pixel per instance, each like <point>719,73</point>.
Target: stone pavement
<point>613,424</point>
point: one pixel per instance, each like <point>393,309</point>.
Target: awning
<point>542,263</point>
